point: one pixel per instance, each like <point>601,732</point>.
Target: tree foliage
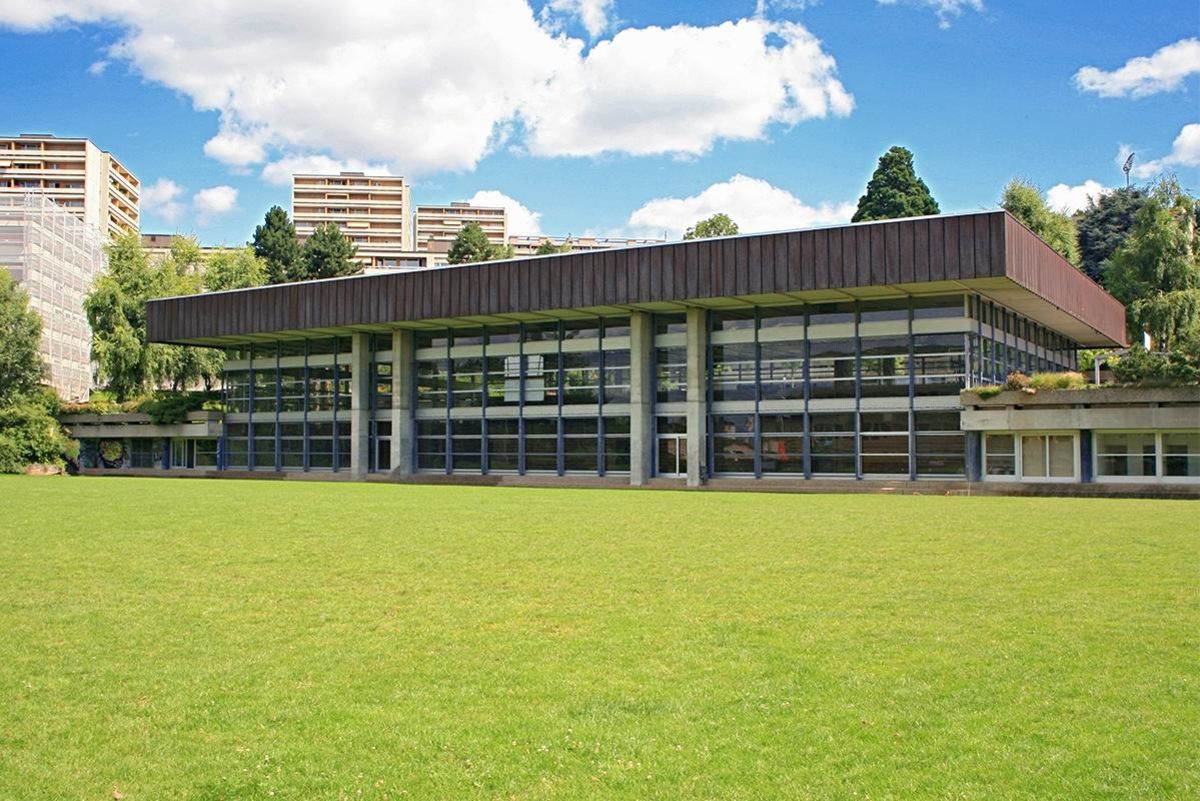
<point>116,311</point>
<point>22,369</point>
<point>547,248</point>
<point>1156,270</point>
<point>895,190</point>
<point>719,224</point>
<point>276,244</point>
<point>234,269</point>
<point>472,245</point>
<point>30,433</point>
<point>1103,226</point>
<point>327,253</point>
<point>1024,201</point>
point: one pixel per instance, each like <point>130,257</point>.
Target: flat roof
<point>989,253</point>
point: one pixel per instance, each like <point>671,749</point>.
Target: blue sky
<point>604,116</point>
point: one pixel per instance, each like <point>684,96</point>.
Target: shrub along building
<point>832,353</point>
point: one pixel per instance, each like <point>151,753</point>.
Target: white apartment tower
<point>54,256</point>
<point>437,226</point>
<point>75,174</point>
<point>373,211</point>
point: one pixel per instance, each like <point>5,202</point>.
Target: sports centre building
<point>832,353</point>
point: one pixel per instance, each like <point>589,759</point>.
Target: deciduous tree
<point>1156,270</point>
<point>1024,201</point>
<point>234,269</point>
<point>719,224</point>
<point>21,366</point>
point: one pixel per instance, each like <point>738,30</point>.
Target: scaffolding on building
<point>55,257</point>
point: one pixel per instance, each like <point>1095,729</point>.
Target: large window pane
<point>1181,455</point>
<point>580,439</point>
<point>1126,454</point>
<point>733,443</point>
<point>1001,455</point>
<point>733,371</point>
<point>782,438</point>
<point>831,368</point>
<point>782,370</point>
<point>671,367</point>
<point>1062,456</point>
<point>431,444</point>
<point>502,444</point>
<point>466,445</point>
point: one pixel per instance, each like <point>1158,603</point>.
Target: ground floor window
<point>1147,455</point>
<point>1031,456</point>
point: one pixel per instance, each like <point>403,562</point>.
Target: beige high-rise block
<point>75,174</point>
<point>373,211</point>
<point>437,226</point>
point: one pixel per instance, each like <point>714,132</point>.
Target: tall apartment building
<point>373,211</point>
<point>76,175</point>
<point>437,226</point>
<point>528,245</point>
<point>55,256</point>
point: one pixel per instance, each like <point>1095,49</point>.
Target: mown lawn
<point>172,639</point>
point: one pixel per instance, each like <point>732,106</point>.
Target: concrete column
<point>403,425</point>
<point>641,398</point>
<point>697,396</point>
<point>360,405</point>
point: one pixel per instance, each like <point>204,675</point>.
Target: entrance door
<point>672,455</point>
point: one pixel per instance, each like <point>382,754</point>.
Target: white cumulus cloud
<point>1185,152</point>
<point>946,10</point>
<point>754,204</point>
<point>680,89</point>
<point>394,82</point>
<point>1067,199</point>
<point>161,198</point>
<point>1164,71</point>
<point>213,202</point>
<point>280,172</point>
<point>521,220</point>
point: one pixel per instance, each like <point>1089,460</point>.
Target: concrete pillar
<point>403,425</point>
<point>697,396</point>
<point>641,397</point>
<point>360,405</point>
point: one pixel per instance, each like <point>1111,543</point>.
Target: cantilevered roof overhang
<point>989,253</point>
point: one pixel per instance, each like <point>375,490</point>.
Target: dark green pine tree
<point>472,245</point>
<point>895,190</point>
<point>328,254</point>
<point>276,244</point>
<point>1104,225</point>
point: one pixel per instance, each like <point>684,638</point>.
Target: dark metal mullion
<point>307,457</point>
<point>709,438</point>
<point>858,471</point>
<point>560,383</point>
<point>521,398</point>
<point>600,399</point>
<point>278,403</point>
<point>483,402</point>
<point>250,395</point>
<point>337,380</point>
<point>806,444</point>
<point>912,395</point>
<point>449,393</point>
<point>756,441</point>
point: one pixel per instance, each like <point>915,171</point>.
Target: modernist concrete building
<point>835,353</point>
<point>55,256</point>
<point>76,175</point>
<point>374,211</point>
<point>437,226</point>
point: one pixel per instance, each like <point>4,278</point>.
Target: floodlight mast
<point>1126,167</point>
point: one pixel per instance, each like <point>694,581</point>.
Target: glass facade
<point>547,397</point>
<point>839,390</point>
<point>287,405</point>
<point>863,389</point>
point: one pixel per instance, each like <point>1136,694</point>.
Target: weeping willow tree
<point>1156,271</point>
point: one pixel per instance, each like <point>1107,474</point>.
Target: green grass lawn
<point>251,640</point>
